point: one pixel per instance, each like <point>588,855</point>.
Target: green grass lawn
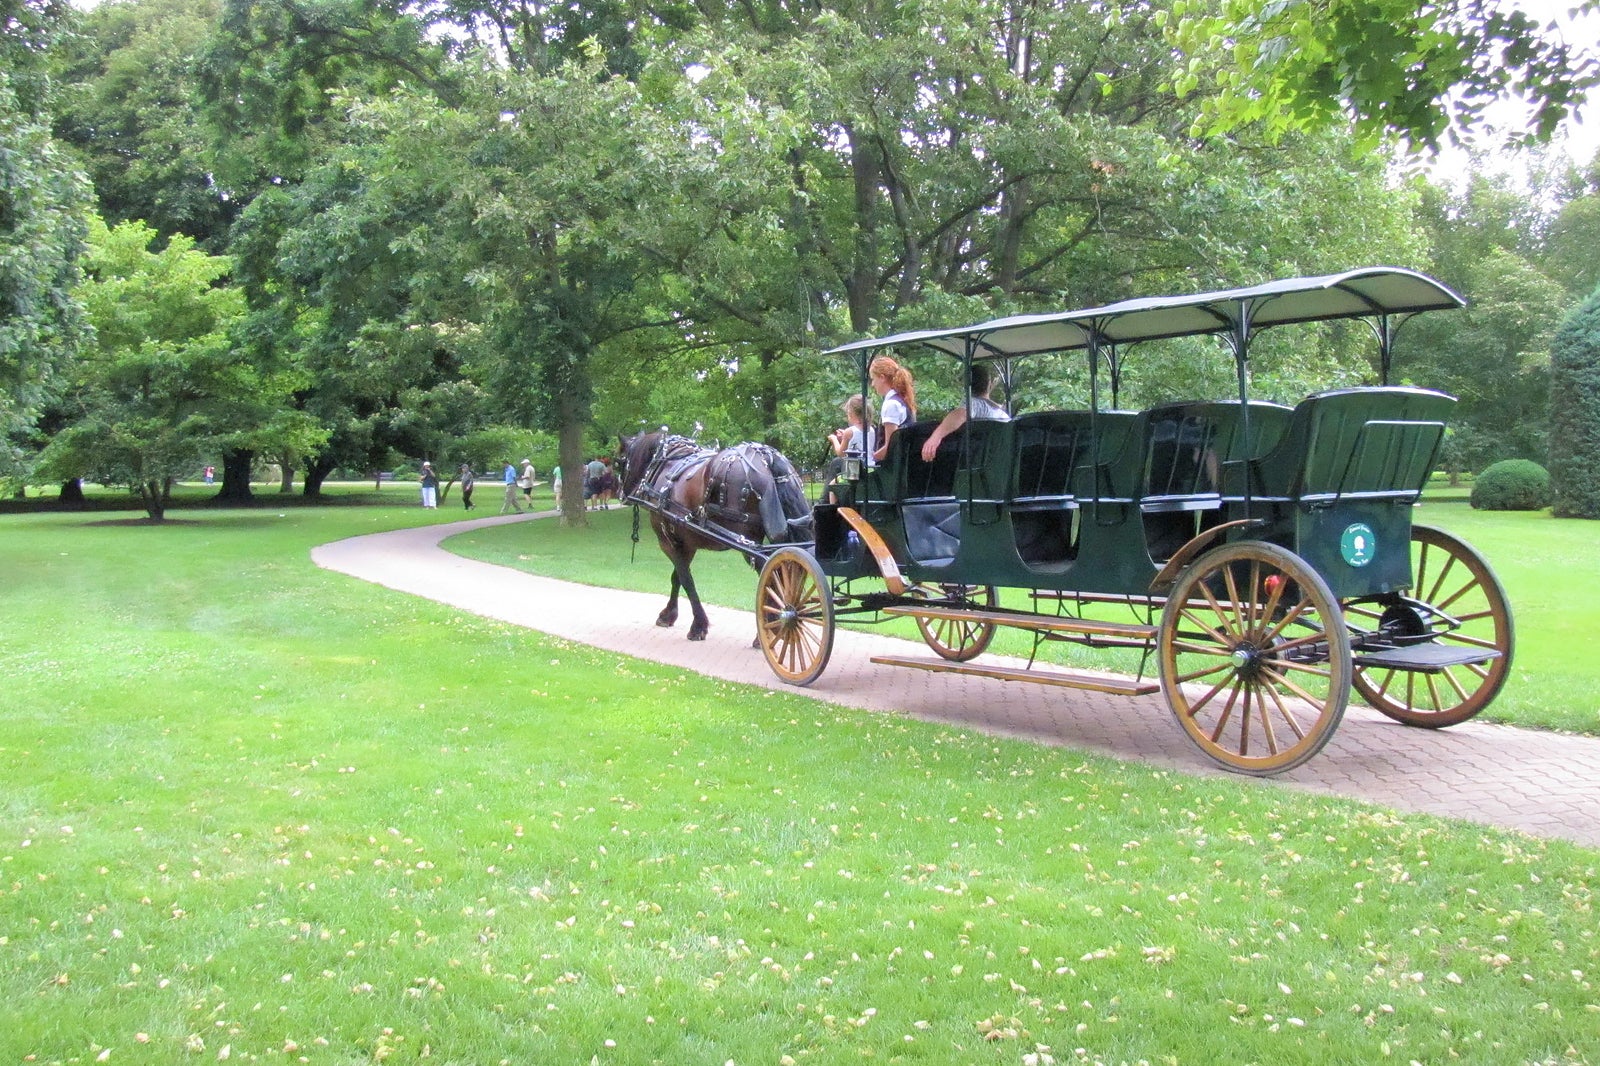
<point>250,810</point>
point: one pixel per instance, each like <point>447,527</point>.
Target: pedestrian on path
<point>430,487</point>
<point>467,481</point>
<point>511,503</point>
<point>594,473</point>
<point>525,482</point>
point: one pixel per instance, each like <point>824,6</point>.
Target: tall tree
<point>559,191</point>
<point>129,107</point>
<point>1488,240</point>
<point>1575,413</point>
<point>954,159</point>
<point>329,288</point>
<point>162,388</point>
<point>43,217</point>
<point>1574,234</point>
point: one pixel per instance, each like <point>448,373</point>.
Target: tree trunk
<point>317,471</point>
<point>286,464</point>
<point>236,477</point>
<point>861,286</point>
<point>72,492</point>
<point>155,504</point>
<point>572,460</point>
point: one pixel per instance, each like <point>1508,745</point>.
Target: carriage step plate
<point>1425,658</point>
<point>1121,686</point>
<point>1037,622</point>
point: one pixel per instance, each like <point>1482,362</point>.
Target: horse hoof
<point>694,635</point>
<point>665,623</point>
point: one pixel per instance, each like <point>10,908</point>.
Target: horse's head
<point>633,458</point>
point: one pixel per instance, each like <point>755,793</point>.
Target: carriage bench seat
<point>1372,443</point>
<point>967,472</point>
<point>1058,454</point>
<point>1192,450</point>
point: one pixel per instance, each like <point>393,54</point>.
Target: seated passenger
<point>852,442</point>
<point>978,407</point>
<point>894,383</point>
<point>855,440</point>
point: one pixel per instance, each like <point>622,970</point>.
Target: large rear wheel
<point>794,616</point>
<point>1456,601</point>
<point>958,639</point>
<point>1255,657</point>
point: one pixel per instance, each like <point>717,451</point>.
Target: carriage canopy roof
<point>1363,293</point>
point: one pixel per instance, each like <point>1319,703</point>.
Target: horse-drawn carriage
<point>1263,556</point>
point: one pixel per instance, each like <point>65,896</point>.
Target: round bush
<point>1512,485</point>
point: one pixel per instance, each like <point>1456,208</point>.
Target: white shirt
<point>984,409</point>
<point>859,444</point>
<point>894,412</point>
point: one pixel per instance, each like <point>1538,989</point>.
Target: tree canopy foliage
<point>466,220</point>
<point>1575,412</point>
<point>1422,72</point>
<point>43,205</point>
<point>160,387</point>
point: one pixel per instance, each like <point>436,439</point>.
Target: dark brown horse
<point>712,499</point>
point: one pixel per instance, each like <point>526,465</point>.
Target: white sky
<point>1580,137</point>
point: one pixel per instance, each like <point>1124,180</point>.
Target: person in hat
<point>430,486</point>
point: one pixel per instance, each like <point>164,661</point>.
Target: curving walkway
<point>1544,784</point>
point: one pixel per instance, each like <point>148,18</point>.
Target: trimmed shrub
<point>1512,485</point>
<point>1575,413</point>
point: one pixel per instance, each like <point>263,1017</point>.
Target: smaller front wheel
<point>1255,657</point>
<point>794,616</point>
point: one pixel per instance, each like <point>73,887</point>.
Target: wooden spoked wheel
<point>1456,597</point>
<point>958,639</point>
<point>794,616</point>
<point>1255,657</point>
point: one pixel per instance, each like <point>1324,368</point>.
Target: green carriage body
<point>1222,504</point>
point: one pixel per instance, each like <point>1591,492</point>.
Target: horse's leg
<point>669,614</point>
<point>673,551</point>
<point>701,624</point>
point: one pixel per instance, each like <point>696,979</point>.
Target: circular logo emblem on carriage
<point>1358,544</point>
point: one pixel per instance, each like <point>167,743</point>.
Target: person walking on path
<point>511,503</point>
<point>594,473</point>
<point>430,487</point>
<point>555,480</point>
<point>467,481</point>
<point>525,482</point>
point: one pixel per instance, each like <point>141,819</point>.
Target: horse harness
<point>744,468</point>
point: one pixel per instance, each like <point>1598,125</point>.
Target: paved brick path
<point>1542,783</point>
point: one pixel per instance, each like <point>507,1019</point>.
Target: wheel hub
<point>1246,659</point>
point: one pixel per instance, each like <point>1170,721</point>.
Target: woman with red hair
<point>893,383</point>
